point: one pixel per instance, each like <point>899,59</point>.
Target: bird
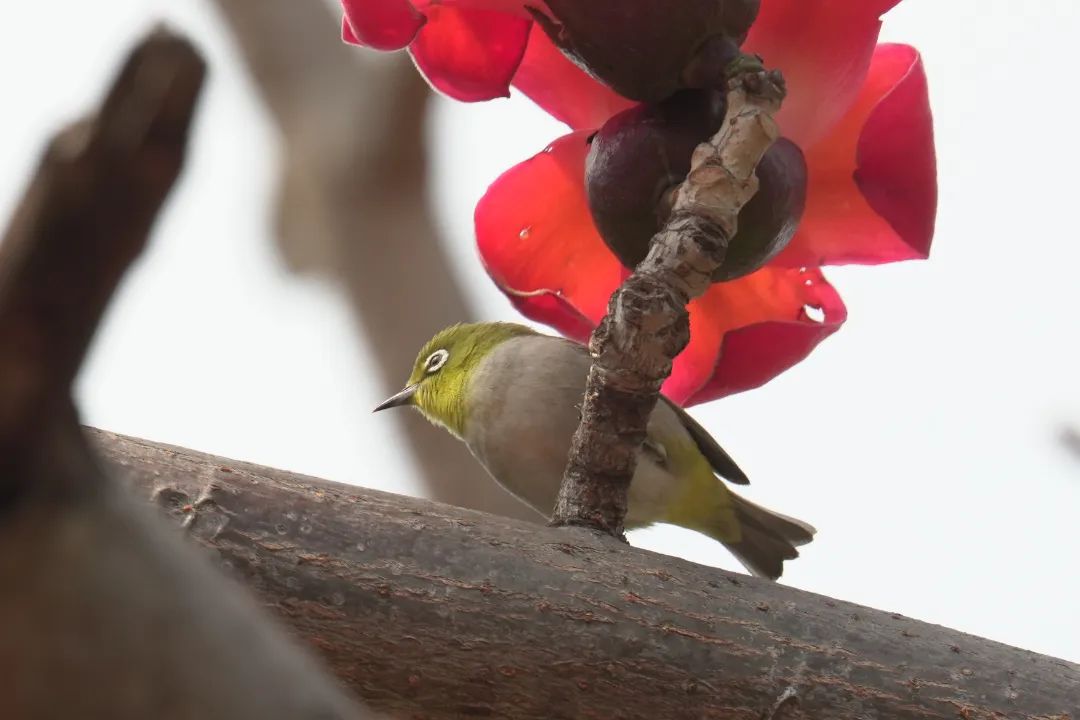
<point>514,396</point>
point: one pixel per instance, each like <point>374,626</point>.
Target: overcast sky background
<point>922,440</point>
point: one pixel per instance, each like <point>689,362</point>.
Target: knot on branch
<point>768,86</point>
<point>685,254</point>
<point>645,327</point>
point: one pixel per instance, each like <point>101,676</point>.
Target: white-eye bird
<point>514,396</point>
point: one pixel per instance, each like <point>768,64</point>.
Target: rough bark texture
<point>104,612</point>
<point>647,324</point>
<point>429,611</point>
<point>353,205</point>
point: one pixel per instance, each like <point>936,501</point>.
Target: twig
<point>106,613</point>
<point>353,203</point>
<point>647,324</point>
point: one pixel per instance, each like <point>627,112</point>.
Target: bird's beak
<point>405,397</point>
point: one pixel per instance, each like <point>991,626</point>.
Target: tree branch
<point>105,614</point>
<point>431,611</point>
<point>353,204</point>
<point>647,324</point>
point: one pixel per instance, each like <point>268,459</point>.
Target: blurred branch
<point>105,613</point>
<point>431,611</point>
<point>353,204</point>
<point>1070,438</point>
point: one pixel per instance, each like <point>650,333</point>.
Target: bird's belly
<point>650,493</point>
<point>524,409</point>
<point>527,461</point>
<point>531,467</point>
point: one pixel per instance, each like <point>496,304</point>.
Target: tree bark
<point>353,206</point>
<point>105,614</point>
<point>429,611</point>
<point>647,324</point>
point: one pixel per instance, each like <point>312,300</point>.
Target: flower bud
<point>641,154</point>
<point>646,50</point>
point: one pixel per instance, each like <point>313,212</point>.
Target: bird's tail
<point>768,538</point>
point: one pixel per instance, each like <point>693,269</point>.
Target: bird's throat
<point>445,408</point>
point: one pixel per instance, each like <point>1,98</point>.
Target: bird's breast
<point>522,412</point>
<point>523,408</point>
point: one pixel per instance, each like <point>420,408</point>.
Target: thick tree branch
<point>430,611</point>
<point>647,324</point>
<point>105,613</point>
<point>353,204</point>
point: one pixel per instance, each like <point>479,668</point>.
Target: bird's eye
<point>435,361</point>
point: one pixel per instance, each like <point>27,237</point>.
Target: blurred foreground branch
<point>647,324</point>
<point>1070,439</point>
<point>105,613</point>
<point>353,204</point>
<point>430,611</point>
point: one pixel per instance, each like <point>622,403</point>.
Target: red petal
<point>547,307</point>
<point>872,192</point>
<point>895,164</point>
<point>380,24</point>
<point>470,54</point>
<point>748,331</point>
<point>536,237</point>
<point>823,47</point>
<point>563,89</point>
<point>537,241</point>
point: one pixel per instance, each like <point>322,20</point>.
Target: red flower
<point>860,113</point>
<point>858,110</point>
<point>468,49</point>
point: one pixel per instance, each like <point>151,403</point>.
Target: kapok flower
<point>470,49</point>
<point>858,110</point>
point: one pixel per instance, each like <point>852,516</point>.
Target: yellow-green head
<point>441,373</point>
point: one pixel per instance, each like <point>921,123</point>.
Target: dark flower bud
<point>643,153</point>
<point>648,49</point>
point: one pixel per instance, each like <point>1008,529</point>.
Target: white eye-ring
<point>436,360</point>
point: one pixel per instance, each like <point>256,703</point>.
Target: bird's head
<point>440,376</point>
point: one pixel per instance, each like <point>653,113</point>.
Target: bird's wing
<point>718,458</point>
<point>655,450</point>
<point>721,462</point>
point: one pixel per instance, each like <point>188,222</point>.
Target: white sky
<point>922,439</point>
